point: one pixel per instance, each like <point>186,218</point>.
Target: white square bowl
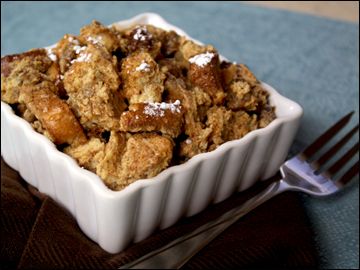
<point>114,219</point>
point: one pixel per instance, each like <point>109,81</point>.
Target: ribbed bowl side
<point>85,207</point>
<point>258,157</point>
<point>150,207</point>
<point>116,218</point>
<point>232,172</point>
<point>203,188</point>
<point>22,153</point>
<point>46,182</point>
<point>63,187</point>
<point>7,146</point>
<point>281,146</point>
<point>179,193</point>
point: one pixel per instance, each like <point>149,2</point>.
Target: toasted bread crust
<point>54,114</point>
<point>167,121</point>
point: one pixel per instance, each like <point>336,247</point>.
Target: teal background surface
<point>311,60</point>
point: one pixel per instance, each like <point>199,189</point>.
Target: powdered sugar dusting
<point>153,109</point>
<point>95,40</point>
<point>158,109</point>
<point>202,60</point>
<point>72,40</point>
<point>51,55</point>
<point>143,67</point>
<point>141,33</point>
<point>83,57</point>
<point>78,49</point>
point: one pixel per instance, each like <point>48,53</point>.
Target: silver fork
<point>299,173</point>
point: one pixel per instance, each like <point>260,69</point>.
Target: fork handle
<point>181,250</point>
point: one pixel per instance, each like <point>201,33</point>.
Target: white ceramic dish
<point>115,219</point>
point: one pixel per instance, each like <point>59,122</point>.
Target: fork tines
<point>341,162</point>
<point>327,136</point>
<point>354,170</point>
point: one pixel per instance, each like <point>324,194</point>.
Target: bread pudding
<point>128,103</point>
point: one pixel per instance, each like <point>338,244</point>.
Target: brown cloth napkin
<point>37,233</point>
